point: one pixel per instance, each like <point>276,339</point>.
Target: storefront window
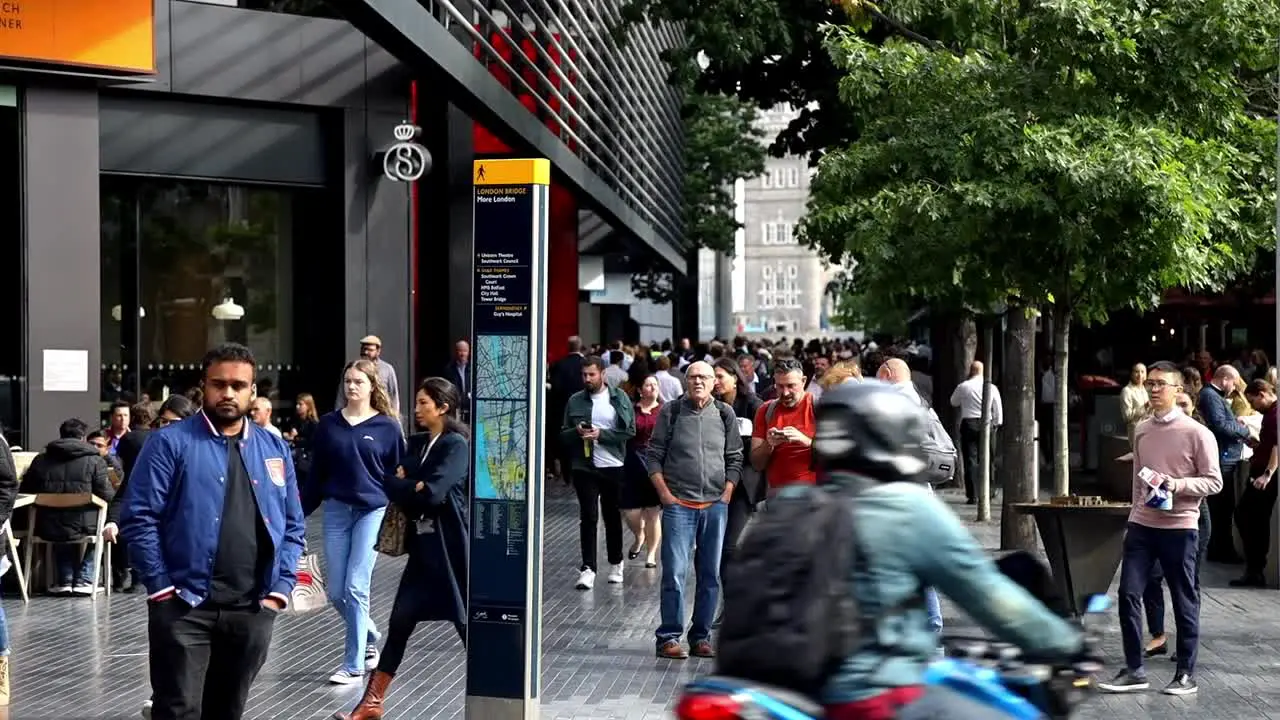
<point>13,390</point>
<point>197,264</point>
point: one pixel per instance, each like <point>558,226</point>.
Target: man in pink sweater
<point>1179,456</point>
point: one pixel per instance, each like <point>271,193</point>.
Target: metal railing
<point>610,103</point>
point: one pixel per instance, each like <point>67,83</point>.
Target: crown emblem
<point>405,132</point>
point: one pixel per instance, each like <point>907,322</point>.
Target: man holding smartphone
<point>783,429</point>
<point>598,422</point>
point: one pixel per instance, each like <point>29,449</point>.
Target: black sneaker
<point>1182,684</point>
<point>1126,681</point>
<point>1249,580</point>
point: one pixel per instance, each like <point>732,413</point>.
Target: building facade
<point>783,282</point>
<point>209,171</point>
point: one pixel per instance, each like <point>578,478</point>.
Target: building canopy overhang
<point>409,32</point>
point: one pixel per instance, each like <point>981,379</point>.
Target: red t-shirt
<point>791,463</point>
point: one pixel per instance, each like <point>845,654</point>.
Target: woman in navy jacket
<point>431,488</point>
<point>354,449</point>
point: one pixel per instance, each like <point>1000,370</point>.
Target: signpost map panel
<point>509,328</point>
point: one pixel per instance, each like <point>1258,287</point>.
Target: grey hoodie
<point>696,449</point>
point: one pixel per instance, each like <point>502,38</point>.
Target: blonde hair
<point>841,372</point>
<point>378,398</point>
<point>309,402</point>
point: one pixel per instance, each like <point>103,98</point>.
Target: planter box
<point>1083,544</point>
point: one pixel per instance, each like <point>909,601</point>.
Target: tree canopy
<point>1089,153</point>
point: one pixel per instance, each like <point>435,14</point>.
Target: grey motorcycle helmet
<point>872,429</point>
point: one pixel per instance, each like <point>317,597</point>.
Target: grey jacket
<point>696,450</point>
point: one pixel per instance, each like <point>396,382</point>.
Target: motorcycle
<point>997,675</point>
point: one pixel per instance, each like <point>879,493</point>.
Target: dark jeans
<point>599,492</point>
<point>204,660</point>
<point>72,569</point>
<point>121,574</point>
<point>1253,517</point>
<point>1222,506</point>
<point>740,511</point>
<point>970,445</point>
<point>1175,551</point>
<point>1153,596</point>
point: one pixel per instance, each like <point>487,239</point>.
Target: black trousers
<point>121,572</point>
<point>204,660</point>
<point>1253,517</point>
<point>970,444</point>
<point>1222,507</point>
<point>740,511</point>
<point>404,620</point>
<point>599,492</point>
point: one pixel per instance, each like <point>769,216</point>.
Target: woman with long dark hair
<point>430,487</point>
<point>639,503</point>
<point>733,389</point>
<point>353,450</point>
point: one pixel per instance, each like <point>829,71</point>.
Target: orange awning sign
<point>116,35</point>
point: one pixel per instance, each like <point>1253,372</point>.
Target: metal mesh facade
<point>608,102</point>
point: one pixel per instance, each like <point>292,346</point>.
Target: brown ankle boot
<point>370,706</point>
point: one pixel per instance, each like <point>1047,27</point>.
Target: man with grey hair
<point>1231,434</point>
<point>694,460</point>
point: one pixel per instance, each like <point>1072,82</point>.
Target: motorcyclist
<point>869,439</point>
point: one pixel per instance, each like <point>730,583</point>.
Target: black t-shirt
<point>244,547</point>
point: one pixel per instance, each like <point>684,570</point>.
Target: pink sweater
<point>1184,450</point>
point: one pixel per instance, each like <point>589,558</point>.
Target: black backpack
<point>790,617</point>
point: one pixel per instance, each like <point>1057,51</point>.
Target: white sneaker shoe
<point>371,657</point>
<point>615,574</point>
<point>84,588</point>
<point>146,710</point>
<point>60,589</point>
<point>587,579</point>
<point>346,677</point>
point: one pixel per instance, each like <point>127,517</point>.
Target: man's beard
<point>224,415</point>
<point>594,388</point>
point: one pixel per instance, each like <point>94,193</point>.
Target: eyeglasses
<point>700,378</point>
<point>1158,385</point>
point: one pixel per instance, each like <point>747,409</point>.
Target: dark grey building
<point>233,191</point>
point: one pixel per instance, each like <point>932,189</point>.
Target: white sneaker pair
<point>587,578</point>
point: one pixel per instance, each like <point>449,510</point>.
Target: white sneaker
<point>615,574</point>
<point>587,579</point>
<point>146,710</point>
<point>371,657</point>
<point>85,589</point>
<point>346,677</point>
<point>59,589</point>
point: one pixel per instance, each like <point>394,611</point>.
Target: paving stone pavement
<point>75,658</point>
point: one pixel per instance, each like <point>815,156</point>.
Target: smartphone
<point>584,426</point>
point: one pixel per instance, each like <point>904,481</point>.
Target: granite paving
<point>76,658</point>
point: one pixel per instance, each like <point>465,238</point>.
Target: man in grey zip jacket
<point>694,460</point>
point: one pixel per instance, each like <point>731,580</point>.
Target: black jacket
<point>8,480</point>
<point>67,466</point>
<point>127,451</point>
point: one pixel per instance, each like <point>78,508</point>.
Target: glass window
<point>312,8</point>
<point>13,391</point>
<point>188,265</point>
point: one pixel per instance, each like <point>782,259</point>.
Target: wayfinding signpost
<point>504,587</point>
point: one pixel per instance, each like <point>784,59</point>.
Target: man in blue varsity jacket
<point>214,525</point>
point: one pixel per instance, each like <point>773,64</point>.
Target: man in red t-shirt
<point>783,429</point>
<point>1253,511</point>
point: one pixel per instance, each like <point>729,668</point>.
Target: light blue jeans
<point>349,537</point>
<point>684,528</point>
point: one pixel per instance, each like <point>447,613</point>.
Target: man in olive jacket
<point>598,422</point>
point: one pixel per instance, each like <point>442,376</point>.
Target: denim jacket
<point>909,540</point>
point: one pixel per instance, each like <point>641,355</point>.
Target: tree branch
<point>908,33</point>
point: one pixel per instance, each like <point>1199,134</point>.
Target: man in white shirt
<point>260,412</point>
<point>968,398</point>
<point>669,388</point>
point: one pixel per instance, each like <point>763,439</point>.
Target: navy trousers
<point>1153,597</point>
<point>1176,551</point>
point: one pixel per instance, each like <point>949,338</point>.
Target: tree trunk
<point>1018,531</point>
<point>983,484</point>
<point>1061,439</point>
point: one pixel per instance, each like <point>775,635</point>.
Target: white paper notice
<point>66,370</point>
<point>744,427</point>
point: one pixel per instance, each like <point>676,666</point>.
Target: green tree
<point>722,143</point>
<point>1076,155</point>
